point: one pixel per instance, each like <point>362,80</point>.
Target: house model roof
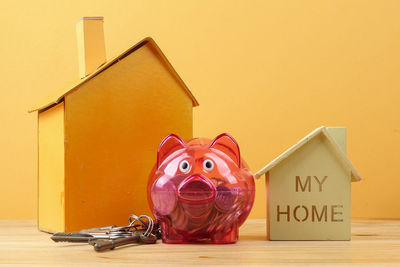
<point>59,95</point>
<point>336,149</point>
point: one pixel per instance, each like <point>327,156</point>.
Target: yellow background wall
<point>268,72</point>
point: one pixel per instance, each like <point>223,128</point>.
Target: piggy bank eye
<point>208,164</point>
<point>184,166</point>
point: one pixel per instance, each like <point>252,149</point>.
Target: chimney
<point>91,45</point>
<point>339,135</point>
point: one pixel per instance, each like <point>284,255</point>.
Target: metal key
<point>106,244</point>
<point>109,237</point>
<point>76,237</point>
<point>106,232</point>
<point>109,232</point>
<point>144,236</point>
<point>137,237</point>
<point>103,229</point>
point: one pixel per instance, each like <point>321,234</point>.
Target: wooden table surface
<point>374,242</point>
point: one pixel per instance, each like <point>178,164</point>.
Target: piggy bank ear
<point>169,145</point>
<point>226,144</point>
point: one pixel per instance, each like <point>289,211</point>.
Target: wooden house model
<point>98,138</point>
<point>308,189</point>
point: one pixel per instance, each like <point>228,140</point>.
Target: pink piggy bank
<point>201,190</point>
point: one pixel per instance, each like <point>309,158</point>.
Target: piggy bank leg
<point>228,236</point>
<point>170,235</point>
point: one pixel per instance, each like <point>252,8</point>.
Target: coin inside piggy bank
<point>200,191</point>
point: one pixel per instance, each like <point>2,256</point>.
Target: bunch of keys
<point>141,229</point>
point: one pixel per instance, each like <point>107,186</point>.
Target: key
<point>72,237</point>
<point>103,229</point>
<point>104,244</point>
<point>82,236</point>
<point>106,232</point>
<point>141,229</point>
<point>137,236</point>
<point>94,233</point>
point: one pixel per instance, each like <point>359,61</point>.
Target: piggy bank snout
<point>196,189</point>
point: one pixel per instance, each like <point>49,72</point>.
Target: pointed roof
<point>355,177</point>
<point>58,96</point>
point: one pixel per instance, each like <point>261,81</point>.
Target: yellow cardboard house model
<point>98,138</point>
<point>308,189</point>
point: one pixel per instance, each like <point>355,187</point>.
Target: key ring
<point>149,228</point>
<point>133,218</point>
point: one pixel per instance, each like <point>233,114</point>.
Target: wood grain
<point>374,243</point>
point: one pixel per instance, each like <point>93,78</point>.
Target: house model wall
<point>308,189</point>
<point>98,138</point>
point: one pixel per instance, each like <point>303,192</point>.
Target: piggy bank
<point>200,191</point>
